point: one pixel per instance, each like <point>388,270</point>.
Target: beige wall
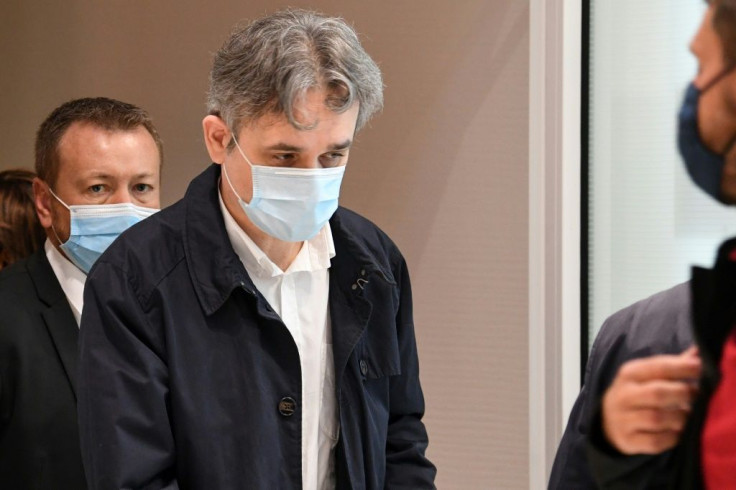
<point>443,170</point>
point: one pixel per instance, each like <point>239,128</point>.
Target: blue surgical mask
<point>704,165</point>
<point>93,228</point>
<point>291,204</point>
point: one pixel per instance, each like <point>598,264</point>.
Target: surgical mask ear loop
<point>242,153</point>
<point>224,169</point>
<point>58,198</point>
<point>227,177</point>
<point>52,221</point>
<point>56,234</point>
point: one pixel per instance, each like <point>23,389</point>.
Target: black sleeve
<point>407,467</point>
<point>123,413</point>
<point>616,471</point>
<point>570,470</point>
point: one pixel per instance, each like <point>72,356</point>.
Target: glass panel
<point>647,222</point>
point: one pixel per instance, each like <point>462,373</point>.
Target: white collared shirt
<point>299,296</point>
<point>70,277</point>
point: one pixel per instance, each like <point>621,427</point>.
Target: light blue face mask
<point>93,228</point>
<point>291,204</point>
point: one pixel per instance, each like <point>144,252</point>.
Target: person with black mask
<point>638,421</point>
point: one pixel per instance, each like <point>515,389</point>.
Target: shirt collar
<point>314,255</point>
<point>70,278</point>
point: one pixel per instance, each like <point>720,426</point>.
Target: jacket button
<point>287,406</point>
<point>363,367</point>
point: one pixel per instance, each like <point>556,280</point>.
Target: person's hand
<point>646,407</point>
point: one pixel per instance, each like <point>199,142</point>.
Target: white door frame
<point>554,226</point>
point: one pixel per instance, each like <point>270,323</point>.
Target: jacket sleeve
<point>407,467</point>
<point>616,471</point>
<point>658,325</point>
<point>570,470</point>
<point>125,430</point>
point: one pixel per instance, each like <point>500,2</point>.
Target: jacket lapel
<point>57,314</point>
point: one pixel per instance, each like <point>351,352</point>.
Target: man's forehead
<point>87,151</point>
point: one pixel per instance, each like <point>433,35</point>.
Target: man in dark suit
<point>98,164</point>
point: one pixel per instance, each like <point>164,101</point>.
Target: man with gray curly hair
<point>254,334</point>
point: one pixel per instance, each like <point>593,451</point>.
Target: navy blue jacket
<point>183,364</point>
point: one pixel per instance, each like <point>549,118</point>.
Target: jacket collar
<point>354,261</point>
<point>714,311</point>
<point>56,313</point>
<point>215,268</point>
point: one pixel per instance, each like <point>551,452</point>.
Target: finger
<point>671,367</point>
<point>691,351</point>
<point>648,442</point>
<point>652,420</point>
<point>658,395</point>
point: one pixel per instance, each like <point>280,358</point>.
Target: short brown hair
<point>21,233</point>
<point>109,114</point>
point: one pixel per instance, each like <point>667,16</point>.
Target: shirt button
<point>363,367</point>
<point>287,406</point>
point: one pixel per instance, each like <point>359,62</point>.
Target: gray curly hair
<point>270,64</point>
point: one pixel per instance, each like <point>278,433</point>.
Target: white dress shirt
<point>299,296</point>
<point>70,277</point>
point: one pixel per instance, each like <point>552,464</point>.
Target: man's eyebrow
<point>296,149</point>
<point>284,147</point>
<point>144,175</point>
<point>105,176</point>
<point>97,175</point>
<point>341,146</point>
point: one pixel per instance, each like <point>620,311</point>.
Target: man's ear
<point>42,200</point>
<point>216,137</point>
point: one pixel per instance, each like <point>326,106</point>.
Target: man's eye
<point>141,187</point>
<point>332,159</point>
<point>96,189</point>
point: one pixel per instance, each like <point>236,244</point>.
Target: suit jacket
<point>39,439</point>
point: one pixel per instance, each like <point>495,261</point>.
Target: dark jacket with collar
<point>660,324</point>
<point>39,441</point>
<point>183,364</point>
<point>713,316</point>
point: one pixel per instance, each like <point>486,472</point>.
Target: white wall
<point>649,223</point>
